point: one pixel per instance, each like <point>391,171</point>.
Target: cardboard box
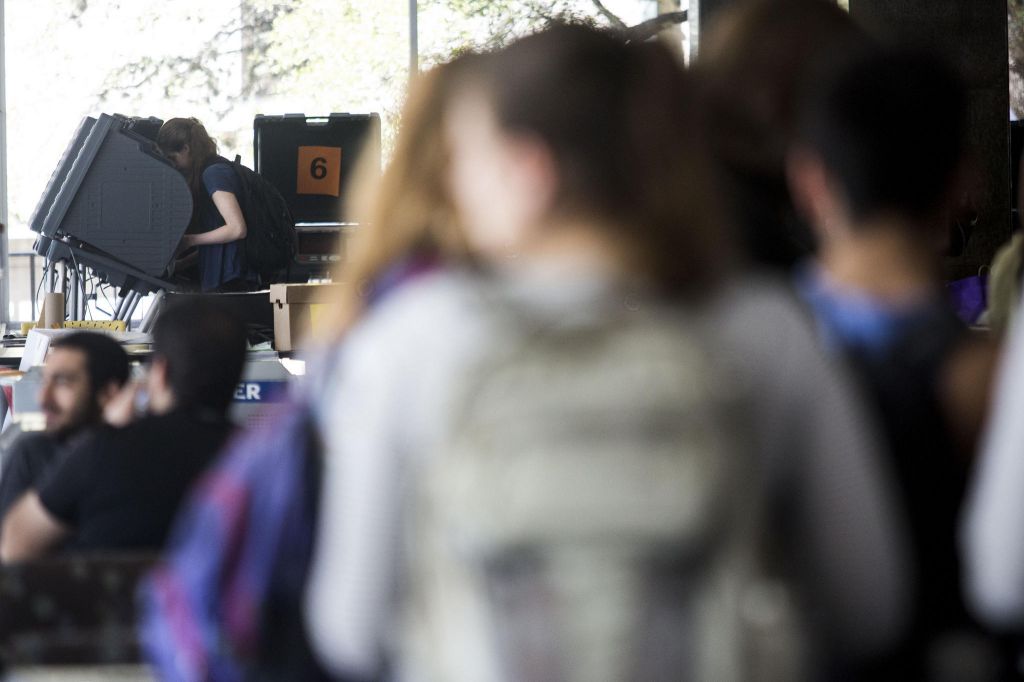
<point>296,310</point>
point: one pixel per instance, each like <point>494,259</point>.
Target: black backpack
<point>270,228</point>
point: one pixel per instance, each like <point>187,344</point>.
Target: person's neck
<point>882,259</point>
<point>573,247</point>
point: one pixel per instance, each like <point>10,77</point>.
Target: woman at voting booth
<point>218,225</point>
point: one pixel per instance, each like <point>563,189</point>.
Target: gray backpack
<point>591,514</point>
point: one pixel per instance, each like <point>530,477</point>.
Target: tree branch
<point>609,15</point>
<point>651,27</point>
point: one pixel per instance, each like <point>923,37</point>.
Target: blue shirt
<point>219,263</point>
<point>851,319</point>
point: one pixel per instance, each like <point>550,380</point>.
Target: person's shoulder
<point>426,302</point>
<point>32,443</point>
<point>107,441</point>
<point>427,317</point>
<point>97,440</point>
<point>762,304</point>
<point>169,422</point>
<point>762,327</point>
<point>154,434</point>
<point>218,165</point>
<point>219,175</point>
<point>31,452</point>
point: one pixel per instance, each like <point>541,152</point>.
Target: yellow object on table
<point>109,325</point>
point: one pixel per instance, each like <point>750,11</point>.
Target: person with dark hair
<point>122,488</point>
<point>198,352</point>
<point>758,62</point>
<point>106,364</point>
<point>877,178</point>
<point>82,373</point>
<point>218,223</point>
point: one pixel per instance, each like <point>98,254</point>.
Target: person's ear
<point>811,190</point>
<point>107,393</point>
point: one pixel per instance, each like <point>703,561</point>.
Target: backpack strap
<point>216,158</point>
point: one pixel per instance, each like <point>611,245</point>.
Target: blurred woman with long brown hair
<point>487,422</point>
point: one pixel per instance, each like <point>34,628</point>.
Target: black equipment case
<point>310,159</point>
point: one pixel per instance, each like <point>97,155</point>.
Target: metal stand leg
<point>131,309</point>
<point>64,276</point>
<point>154,312</point>
<point>74,293</point>
<point>122,303</point>
<point>83,300</point>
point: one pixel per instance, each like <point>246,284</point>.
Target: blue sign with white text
<point>261,391</point>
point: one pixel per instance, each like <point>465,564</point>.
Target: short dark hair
<point>203,345</point>
<point>890,126</point>
<point>105,359</point>
<point>757,62</point>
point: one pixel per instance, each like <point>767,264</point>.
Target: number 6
<point>318,169</point>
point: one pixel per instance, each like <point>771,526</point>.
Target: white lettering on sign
<point>260,391</point>
<point>245,392</point>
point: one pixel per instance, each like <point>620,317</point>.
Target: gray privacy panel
<point>60,174</point>
<point>122,197</point>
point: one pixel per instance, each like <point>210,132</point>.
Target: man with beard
<point>121,488</point>
<point>82,373</point>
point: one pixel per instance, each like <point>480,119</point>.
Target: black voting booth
<point>114,207</point>
<point>310,160</point>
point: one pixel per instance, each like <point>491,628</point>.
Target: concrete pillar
<point>700,12</point>
<point>972,33</point>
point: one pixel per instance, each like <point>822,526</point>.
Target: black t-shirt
<point>122,488</point>
<point>30,455</point>
<point>903,383</point>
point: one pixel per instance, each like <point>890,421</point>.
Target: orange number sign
<point>319,171</point>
